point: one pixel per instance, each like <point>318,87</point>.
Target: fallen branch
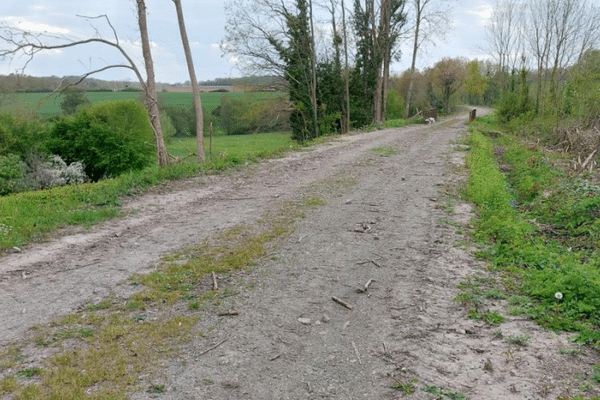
<point>228,314</point>
<point>215,284</point>
<point>342,302</point>
<point>587,160</point>
<point>366,287</point>
<point>212,348</point>
<point>356,351</point>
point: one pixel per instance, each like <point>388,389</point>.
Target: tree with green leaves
<point>377,30</point>
<point>72,100</point>
<point>475,83</point>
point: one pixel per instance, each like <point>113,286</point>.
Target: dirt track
<point>388,225</point>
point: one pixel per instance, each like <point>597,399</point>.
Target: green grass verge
<point>530,219</point>
<point>33,216</point>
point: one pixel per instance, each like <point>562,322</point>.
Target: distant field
<point>49,105</point>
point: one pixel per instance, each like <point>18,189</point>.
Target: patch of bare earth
<point>384,244</point>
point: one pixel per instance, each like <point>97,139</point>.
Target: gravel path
<point>387,220</point>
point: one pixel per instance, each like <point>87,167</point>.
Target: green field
<point>48,105</point>
<point>239,146</point>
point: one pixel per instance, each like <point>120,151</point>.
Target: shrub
<point>11,171</point>
<point>246,115</point>
<point>19,135</point>
<point>109,138</point>
<point>55,172</point>
<point>183,120</point>
<point>395,107</point>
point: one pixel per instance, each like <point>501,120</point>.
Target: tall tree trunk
<point>411,84</point>
<point>151,95</point>
<point>313,94</point>
<point>200,155</point>
<point>346,72</point>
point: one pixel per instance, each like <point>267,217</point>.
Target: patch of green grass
<point>385,151</point>
<point>406,388</point>
<point>156,389</point>
<point>396,123</point>
<point>519,340</point>
<point>9,356</point>
<point>571,351</point>
<point>492,317</point>
<point>30,372</point>
<point>8,385</point>
<point>444,393</point>
<point>243,147</point>
<point>494,293</point>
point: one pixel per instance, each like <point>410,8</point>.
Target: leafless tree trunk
<point>504,36</point>
<point>346,71</point>
<point>200,155</point>
<point>430,21</point>
<point>313,66</point>
<point>151,95</point>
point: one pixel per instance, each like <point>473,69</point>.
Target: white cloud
<point>483,13</point>
<point>34,27</point>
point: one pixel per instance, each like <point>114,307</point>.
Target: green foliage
<point>581,98</point>
<point>297,55</point>
<point>514,104</point>
<point>239,116</point>
<point>11,170</point>
<point>519,340</point>
<point>562,283</point>
<point>395,105</point>
<point>406,388</point>
<point>74,98</point>
<point>19,135</point>
<point>475,84</point>
<point>183,120</point>
<point>108,138</point>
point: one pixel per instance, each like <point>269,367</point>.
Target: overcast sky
<point>205,20</point>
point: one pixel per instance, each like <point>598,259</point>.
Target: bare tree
<point>24,43</point>
<point>558,33</point>
<point>200,155</point>
<point>150,87</point>
<point>504,36</point>
<point>430,19</point>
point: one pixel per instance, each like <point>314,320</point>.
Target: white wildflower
<point>558,295</point>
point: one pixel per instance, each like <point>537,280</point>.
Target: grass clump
<point>519,340</point>
<point>444,393</point>
<point>406,388</point>
<point>386,151</point>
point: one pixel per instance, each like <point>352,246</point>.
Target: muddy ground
<point>391,216</point>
